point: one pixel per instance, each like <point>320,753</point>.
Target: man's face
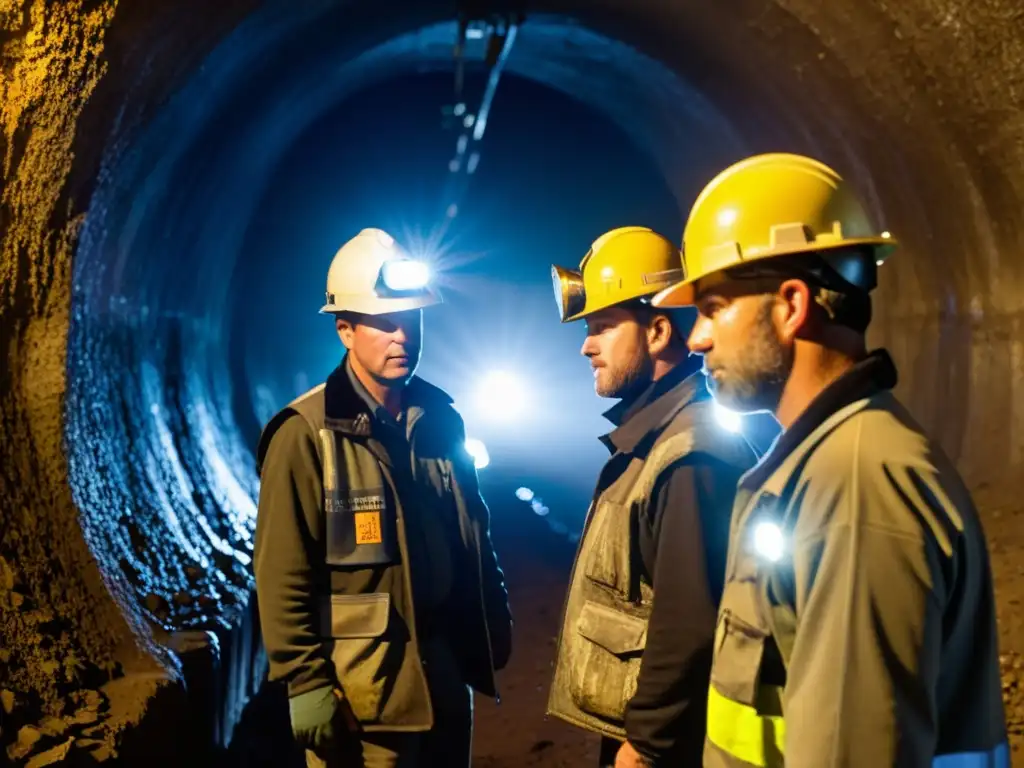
<point>386,346</point>
<point>617,347</point>
<point>746,361</point>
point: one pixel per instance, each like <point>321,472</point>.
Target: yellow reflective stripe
<point>743,733</point>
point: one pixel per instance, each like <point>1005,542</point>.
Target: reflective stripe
<point>743,733</point>
<point>999,757</point>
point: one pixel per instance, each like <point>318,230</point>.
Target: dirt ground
<point>1004,527</point>
<point>537,564</point>
<point>516,732</point>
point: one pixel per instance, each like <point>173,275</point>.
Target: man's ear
<point>793,313</point>
<point>659,334</point>
<point>346,330</point>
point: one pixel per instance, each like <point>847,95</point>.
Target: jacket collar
<point>874,374</point>
<point>655,407</point>
<point>345,410</point>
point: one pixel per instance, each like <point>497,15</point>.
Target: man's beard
<point>627,380</point>
<point>755,378</point>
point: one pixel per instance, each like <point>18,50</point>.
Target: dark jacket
<point>636,642</point>
<point>340,560</point>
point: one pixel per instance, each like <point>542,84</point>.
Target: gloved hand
<point>313,716</point>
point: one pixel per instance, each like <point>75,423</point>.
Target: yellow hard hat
<point>624,264</point>
<point>773,205</point>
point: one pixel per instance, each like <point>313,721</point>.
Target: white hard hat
<point>371,275</point>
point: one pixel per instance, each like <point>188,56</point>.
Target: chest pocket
<point>607,559</point>
<point>359,508</point>
<point>739,651</point>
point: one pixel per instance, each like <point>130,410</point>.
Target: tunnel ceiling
<point>137,137</point>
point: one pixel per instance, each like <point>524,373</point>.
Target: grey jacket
<point>858,622</point>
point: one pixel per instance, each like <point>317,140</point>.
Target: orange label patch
<point>368,529</point>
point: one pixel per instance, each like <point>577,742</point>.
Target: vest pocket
<point>607,548</point>
<point>739,651</point>
<point>364,657</point>
<point>604,660</point>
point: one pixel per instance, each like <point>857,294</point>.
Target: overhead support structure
<point>487,35</point>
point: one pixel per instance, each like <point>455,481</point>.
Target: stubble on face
<point>750,375</point>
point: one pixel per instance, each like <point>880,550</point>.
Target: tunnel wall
<point>79,662</point>
<point>65,624</point>
<point>121,129</point>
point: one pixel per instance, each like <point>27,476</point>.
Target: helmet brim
<point>684,294</point>
<point>372,305</point>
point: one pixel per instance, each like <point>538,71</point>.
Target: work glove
<point>314,716</point>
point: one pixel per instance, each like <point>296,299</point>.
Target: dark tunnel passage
<point>138,141</point>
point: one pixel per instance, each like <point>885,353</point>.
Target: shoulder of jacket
<point>309,407</point>
<point>881,457</point>
<point>881,432</point>
<point>686,433</point>
<point>696,429</point>
<point>310,404</point>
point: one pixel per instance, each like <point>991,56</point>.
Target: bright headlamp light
<point>404,275</point>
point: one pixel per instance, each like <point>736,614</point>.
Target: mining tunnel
<point>136,140</point>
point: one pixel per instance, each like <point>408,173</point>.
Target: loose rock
<point>53,726</point>
<point>27,738</point>
<point>84,717</point>
<point>51,756</point>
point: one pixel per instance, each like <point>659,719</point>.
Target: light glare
<point>769,542</point>
<point>500,396</point>
<point>476,449</point>
<point>729,420</point>
<point>727,217</point>
<point>406,275</point>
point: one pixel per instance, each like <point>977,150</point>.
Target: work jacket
<point>634,651</point>
<point>858,625</point>
<point>342,554</point>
